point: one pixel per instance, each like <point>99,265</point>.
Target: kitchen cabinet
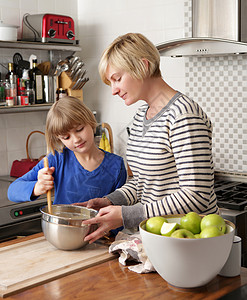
<point>54,50</point>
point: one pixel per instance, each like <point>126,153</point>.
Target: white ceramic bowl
<point>8,32</point>
<point>187,263</point>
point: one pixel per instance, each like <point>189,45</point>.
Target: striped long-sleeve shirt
<point>170,157</point>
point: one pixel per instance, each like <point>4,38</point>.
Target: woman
<point>78,169</point>
<point>170,145</point>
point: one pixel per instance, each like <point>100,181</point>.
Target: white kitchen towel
<point>130,248</point>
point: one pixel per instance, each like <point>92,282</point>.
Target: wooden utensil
<point>48,193</point>
<point>44,67</point>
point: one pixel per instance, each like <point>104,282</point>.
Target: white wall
<point>102,21</point>
<point>14,128</point>
<point>98,23</point>
<point>218,83</point>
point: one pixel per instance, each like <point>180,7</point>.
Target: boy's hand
<point>45,181</point>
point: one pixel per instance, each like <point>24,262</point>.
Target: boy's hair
<point>127,53</point>
<point>65,114</point>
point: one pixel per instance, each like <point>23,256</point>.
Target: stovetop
<point>231,194</point>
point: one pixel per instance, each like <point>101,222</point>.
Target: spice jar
<point>61,93</point>
<point>9,101</point>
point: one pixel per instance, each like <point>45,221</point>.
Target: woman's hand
<point>108,218</point>
<point>96,203</point>
<point>45,181</point>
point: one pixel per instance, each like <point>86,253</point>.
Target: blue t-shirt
<point>72,183</point>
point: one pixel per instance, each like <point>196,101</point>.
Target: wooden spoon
<point>48,193</point>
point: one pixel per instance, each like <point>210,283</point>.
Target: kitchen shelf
<point>52,49</point>
<point>40,46</point>
<point>25,108</point>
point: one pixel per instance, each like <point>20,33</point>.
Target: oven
<point>18,219</point>
<point>231,192</point>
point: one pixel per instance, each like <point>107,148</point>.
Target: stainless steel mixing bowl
<point>63,227</point>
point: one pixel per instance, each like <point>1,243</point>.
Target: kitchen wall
<point>217,83</point>
<point>14,128</point>
<point>98,23</point>
<point>102,21</point>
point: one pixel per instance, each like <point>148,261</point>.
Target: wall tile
<point>14,121</point>
<point>10,3</point>
<point>65,7</point>
<point>2,122</point>
<point>30,5</point>
<point>10,16</point>
<point>46,6</point>
<point>3,146</point>
<point>4,169</point>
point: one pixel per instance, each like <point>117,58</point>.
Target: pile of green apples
<point>192,226</point>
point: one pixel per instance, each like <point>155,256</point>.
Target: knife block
<point>65,82</point>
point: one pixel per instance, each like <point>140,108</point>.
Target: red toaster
<point>48,28</point>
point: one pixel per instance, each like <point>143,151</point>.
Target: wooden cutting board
<point>30,263</point>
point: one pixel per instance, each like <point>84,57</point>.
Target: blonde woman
<point>170,146</point>
<point>78,169</point>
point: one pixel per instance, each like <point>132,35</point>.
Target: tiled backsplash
<point>14,129</point>
<point>218,84</point>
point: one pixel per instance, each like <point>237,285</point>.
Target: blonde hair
<point>65,114</point>
<point>128,52</point>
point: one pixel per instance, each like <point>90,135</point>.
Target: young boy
<point>78,169</point>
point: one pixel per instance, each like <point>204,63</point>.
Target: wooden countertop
<point>111,280</point>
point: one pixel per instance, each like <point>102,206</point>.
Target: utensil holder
<point>66,83</point>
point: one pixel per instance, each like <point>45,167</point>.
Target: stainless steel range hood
<point>219,27</point>
<point>201,47</point>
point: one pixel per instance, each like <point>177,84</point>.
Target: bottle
<point>30,92</point>
<point>11,76</point>
<point>2,91</point>
<point>12,79</point>
<point>24,78</point>
<point>37,79</point>
<point>10,91</point>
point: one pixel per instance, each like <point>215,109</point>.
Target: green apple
<point>213,220</point>
<point>168,228</point>
<point>154,224</point>
<point>183,233</point>
<point>191,221</point>
<point>197,236</point>
<point>210,231</point>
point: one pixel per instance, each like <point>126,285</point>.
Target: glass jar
<point>9,101</point>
